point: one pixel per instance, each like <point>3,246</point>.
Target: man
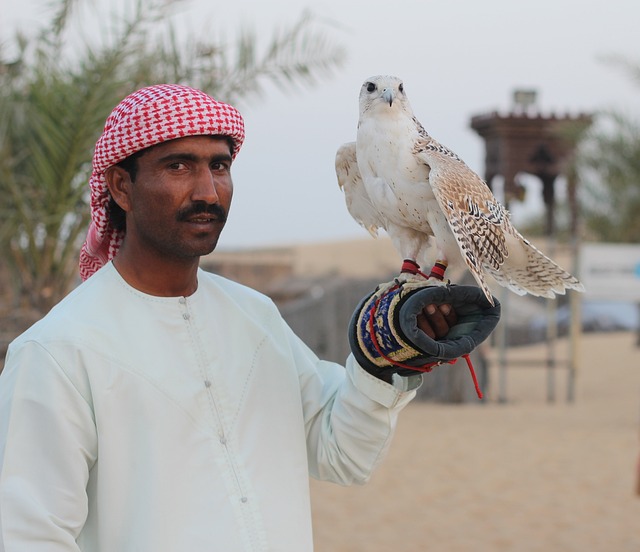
<point>162,408</point>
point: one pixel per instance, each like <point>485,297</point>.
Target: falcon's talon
<point>437,282</point>
<point>407,278</point>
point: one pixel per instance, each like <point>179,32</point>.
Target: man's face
<point>180,198</point>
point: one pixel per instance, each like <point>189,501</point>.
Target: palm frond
<point>54,101</point>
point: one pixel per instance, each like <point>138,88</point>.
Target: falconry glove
<point>385,338</point>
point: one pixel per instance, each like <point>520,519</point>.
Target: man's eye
<point>178,165</point>
<point>219,167</point>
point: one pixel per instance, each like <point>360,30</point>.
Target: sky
<point>458,59</point>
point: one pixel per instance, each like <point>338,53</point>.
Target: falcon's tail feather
<point>539,276</point>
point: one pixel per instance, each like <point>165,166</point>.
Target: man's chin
<point>206,248</point>
<point>194,251</point>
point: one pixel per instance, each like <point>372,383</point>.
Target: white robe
<point>130,422</point>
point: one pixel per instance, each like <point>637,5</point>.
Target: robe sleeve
<point>350,415</point>
<point>48,445</point>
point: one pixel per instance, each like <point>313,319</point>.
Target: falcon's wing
<point>477,219</point>
<point>356,197</point>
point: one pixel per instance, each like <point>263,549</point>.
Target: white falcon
<point>432,205</point>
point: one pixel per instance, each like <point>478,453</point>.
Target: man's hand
<point>436,321</point>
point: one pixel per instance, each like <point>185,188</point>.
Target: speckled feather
<point>481,226</point>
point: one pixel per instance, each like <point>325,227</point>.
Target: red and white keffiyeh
<point>147,117</point>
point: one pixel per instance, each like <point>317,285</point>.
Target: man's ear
<point>119,185</point>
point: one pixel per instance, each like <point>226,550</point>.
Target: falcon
<point>435,209</point>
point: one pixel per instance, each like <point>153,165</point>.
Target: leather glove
<point>385,338</point>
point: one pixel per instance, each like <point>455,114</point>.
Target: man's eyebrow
<point>222,157</point>
<point>177,156</point>
<point>184,156</point>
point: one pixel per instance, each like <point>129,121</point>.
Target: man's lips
<point>203,219</point>
<point>203,214</point>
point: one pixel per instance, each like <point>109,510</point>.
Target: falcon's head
<point>383,92</point>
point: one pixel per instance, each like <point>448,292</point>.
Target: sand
<point>522,475</point>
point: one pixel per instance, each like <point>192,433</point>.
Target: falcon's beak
<point>387,96</point>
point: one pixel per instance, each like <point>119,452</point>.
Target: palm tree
<point>609,168</point>
<point>54,100</point>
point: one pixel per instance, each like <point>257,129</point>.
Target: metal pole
<point>574,344</point>
<point>552,334</point>
<point>548,194</point>
<point>502,339</point>
<point>575,299</point>
<point>503,333</point>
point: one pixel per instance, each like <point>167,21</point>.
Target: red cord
<point>473,376</point>
<point>411,267</point>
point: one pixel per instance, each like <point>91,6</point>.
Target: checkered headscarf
<point>147,117</point>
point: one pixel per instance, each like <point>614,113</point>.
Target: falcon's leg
<point>415,246</point>
<point>411,272</point>
<point>438,269</point>
<point>436,276</point>
<point>408,243</point>
<point>410,266</point>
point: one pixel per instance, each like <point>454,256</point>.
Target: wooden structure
<point>525,141</point>
<point>522,142</point>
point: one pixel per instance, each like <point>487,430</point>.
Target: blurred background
<point>548,460</point>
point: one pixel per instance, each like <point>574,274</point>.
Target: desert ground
<point>523,474</point>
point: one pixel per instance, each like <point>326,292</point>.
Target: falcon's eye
<point>370,87</point>
<point>401,87</point>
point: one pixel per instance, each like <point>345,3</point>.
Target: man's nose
<point>206,187</point>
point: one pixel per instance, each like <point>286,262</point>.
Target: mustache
<point>202,208</point>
